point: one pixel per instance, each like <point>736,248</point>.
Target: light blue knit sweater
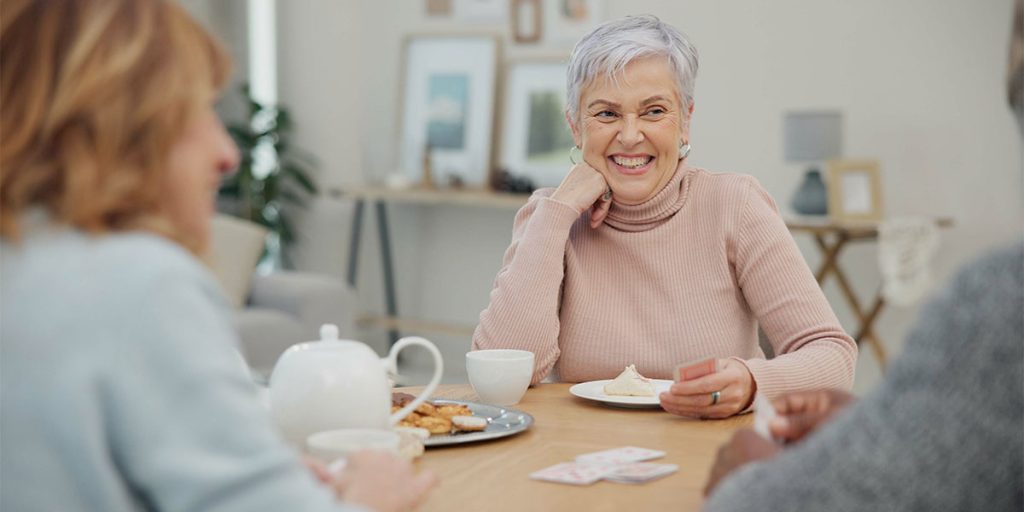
<point>121,389</point>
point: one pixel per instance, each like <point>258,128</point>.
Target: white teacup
<point>331,445</point>
<point>500,377</point>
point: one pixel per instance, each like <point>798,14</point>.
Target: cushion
<point>236,246</point>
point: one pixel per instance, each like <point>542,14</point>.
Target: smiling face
<point>630,130</point>
<point>197,162</point>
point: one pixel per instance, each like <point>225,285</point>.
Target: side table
<point>831,236</point>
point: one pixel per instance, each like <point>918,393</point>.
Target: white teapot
<point>332,383</point>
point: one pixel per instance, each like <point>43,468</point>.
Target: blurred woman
<point>122,388</point>
<point>943,431</point>
<point>638,258</point>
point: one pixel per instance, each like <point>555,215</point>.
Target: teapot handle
<point>431,386</point>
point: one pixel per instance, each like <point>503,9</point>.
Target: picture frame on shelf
<point>438,7</point>
<point>526,21</point>
<point>447,104</point>
<point>855,190</point>
<point>535,138</point>
<point>566,21</point>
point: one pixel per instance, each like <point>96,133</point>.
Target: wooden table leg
<point>867,333</point>
<point>353,244</point>
<point>831,253</point>
<point>391,301</point>
<point>830,265</point>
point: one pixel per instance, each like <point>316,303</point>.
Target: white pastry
<point>630,383</point>
<point>469,423</point>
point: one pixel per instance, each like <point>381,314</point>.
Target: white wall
<point>920,83</point>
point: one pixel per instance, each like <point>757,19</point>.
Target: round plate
<point>594,390</point>
<point>501,422</point>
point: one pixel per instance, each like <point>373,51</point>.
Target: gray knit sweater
<point>945,431</point>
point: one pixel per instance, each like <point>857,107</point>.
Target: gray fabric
<point>122,390</point>
<point>945,431</point>
<point>265,334</point>
<point>289,307</point>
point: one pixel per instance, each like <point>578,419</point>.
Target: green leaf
<point>300,178</point>
<point>294,198</point>
<point>289,182</point>
<point>287,233</point>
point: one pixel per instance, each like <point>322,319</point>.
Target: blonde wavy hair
<point>93,95</point>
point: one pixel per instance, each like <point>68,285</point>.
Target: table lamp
<point>812,136</point>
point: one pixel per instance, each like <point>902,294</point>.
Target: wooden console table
<point>831,236</point>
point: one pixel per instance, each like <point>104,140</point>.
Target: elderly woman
<point>638,258</point>
<point>122,386</point>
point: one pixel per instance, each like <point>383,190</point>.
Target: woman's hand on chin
<point>695,398</point>
<point>584,188</point>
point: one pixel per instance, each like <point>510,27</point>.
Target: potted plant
<point>272,176</point>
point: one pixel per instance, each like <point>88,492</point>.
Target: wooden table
<point>831,237</point>
<point>494,475</point>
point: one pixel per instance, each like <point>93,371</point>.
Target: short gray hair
<point>612,45</point>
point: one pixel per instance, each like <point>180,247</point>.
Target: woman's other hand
<point>745,446</point>
<point>803,412</point>
<point>382,482</point>
<point>585,188</point>
<point>319,470</point>
<point>695,398</point>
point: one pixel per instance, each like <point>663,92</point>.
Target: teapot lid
<point>328,332</point>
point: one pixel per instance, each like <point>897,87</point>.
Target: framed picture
<point>448,107</point>
<point>854,190</point>
<point>439,7</point>
<point>566,21</point>
<point>535,138</point>
<point>526,18</point>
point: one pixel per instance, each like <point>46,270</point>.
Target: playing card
<point>764,412</point>
<point>696,369</point>
<point>639,472</point>
<point>573,473</point>
<point>622,455</point>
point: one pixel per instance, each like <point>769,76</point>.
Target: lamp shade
<point>813,135</point>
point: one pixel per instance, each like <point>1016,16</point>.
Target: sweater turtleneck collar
<point>654,211</point>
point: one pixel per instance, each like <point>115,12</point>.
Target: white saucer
<point>594,390</point>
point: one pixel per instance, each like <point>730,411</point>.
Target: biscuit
<point>436,419</point>
<point>469,423</point>
<point>436,425</point>
<point>450,410</point>
<point>427,409</point>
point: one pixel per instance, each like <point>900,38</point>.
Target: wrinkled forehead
<point>643,76</point>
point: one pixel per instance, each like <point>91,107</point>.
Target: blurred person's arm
<point>185,428</point>
<point>942,432</point>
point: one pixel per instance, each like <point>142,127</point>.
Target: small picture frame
<point>438,7</point>
<point>447,105</point>
<point>535,138</point>
<point>855,190</point>
<point>526,21</point>
<point>566,21</point>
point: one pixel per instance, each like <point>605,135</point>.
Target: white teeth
<point>632,162</point>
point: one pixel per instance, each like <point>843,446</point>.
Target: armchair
<point>288,307</point>
<point>277,310</point>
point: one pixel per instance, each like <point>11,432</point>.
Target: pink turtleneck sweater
<point>688,274</point>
